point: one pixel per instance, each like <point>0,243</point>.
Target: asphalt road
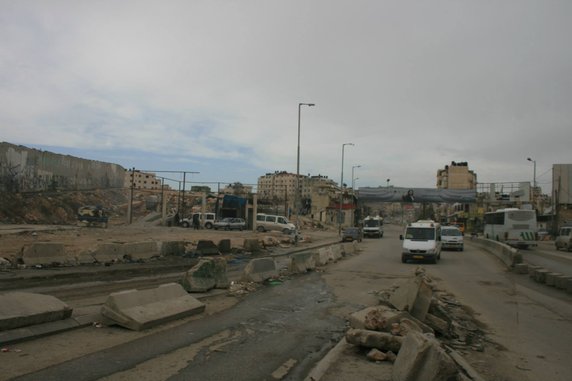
<point>529,324</point>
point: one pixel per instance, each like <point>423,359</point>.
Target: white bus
<point>515,227</point>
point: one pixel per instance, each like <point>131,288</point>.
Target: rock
<point>373,339</point>
<point>376,355</point>
<point>407,325</point>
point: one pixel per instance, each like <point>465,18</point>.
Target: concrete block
<point>45,253</point>
<point>532,269</point>
<point>140,250</point>
<point>142,309</point>
<point>373,339</point>
<point>521,268</point>
<point>207,247</point>
<point>421,358</point>
<point>569,286</point>
<point>551,279</point>
<point>176,248</point>
<point>422,302</point>
<point>302,262</point>
<point>325,255</point>
<point>108,252</point>
<point>252,245</point>
<point>22,309</point>
<point>259,269</point>
<point>337,252</point>
<point>414,296</point>
<point>540,275</point>
<point>438,324</point>
<point>560,281</point>
<point>209,273</point>
<point>225,246</point>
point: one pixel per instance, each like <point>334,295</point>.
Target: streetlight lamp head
<point>529,159</point>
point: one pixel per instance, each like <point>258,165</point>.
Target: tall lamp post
<point>353,178</point>
<point>533,182</point>
<point>354,192</point>
<point>342,188</point>
<point>296,195</point>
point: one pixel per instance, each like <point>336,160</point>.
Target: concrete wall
<point>25,169</point>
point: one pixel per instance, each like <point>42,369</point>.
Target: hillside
<point>60,208</point>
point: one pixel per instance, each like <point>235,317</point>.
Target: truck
<point>373,227</point>
<point>92,215</point>
<point>421,240</point>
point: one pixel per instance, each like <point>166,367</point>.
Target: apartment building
<point>142,180</point>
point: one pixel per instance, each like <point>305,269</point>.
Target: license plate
<point>418,257</point>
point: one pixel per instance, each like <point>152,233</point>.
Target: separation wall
<point>25,169</point>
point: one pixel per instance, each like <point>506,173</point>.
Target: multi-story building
<point>280,188</point>
<point>456,176</point>
<point>142,180</point>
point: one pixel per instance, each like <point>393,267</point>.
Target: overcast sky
<point>213,86</point>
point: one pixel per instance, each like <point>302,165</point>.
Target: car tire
<point>185,224</point>
<point>286,231</point>
<point>403,259</point>
<point>209,225</point>
<point>260,229</point>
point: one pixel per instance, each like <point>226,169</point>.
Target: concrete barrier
<point>551,279</point>
<point>302,262</point>
<point>413,296</point>
<point>106,252</point>
<point>325,255</point>
<point>421,358</point>
<point>259,269</point>
<point>141,250</point>
<point>176,248</point>
<point>22,309</point>
<point>209,273</point>
<point>252,245</point>
<point>207,247</point>
<point>142,309</point>
<point>509,255</point>
<point>45,253</point>
<point>225,246</point>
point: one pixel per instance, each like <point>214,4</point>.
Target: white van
<point>266,222</point>
<point>452,238</point>
<point>421,240</point>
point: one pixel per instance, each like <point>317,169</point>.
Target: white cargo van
<point>267,222</point>
<point>421,240</point>
<point>452,238</point>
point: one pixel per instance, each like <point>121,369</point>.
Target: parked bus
<point>515,227</point>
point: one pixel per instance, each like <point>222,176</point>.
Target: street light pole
<point>353,179</point>
<point>296,194</point>
<point>533,181</point>
<point>342,188</point>
<point>534,173</point>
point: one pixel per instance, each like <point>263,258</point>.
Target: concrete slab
<point>421,358</point>
<point>21,309</point>
<point>45,253</point>
<point>142,309</point>
<point>302,262</point>
<point>259,269</point>
<point>207,274</point>
<point>141,250</point>
<point>176,248</point>
<point>551,279</point>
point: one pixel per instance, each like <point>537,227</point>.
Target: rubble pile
<point>417,327</point>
